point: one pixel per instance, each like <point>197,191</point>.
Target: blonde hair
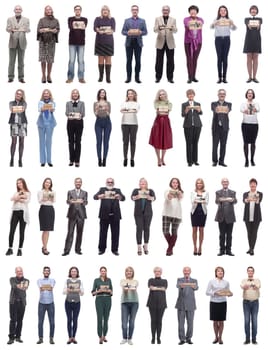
<point>131,269</point>
<point>50,95</point>
<point>157,97</point>
<point>143,179</point>
<point>202,181</point>
<point>105,7</point>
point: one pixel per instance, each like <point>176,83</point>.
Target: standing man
<point>17,303</point>
<point>134,28</point>
<point>251,293</point>
<point>165,26</point>
<point>77,31</point>
<point>186,305</point>
<point>109,215</point>
<point>77,200</point>
<point>220,127</point>
<point>17,27</point>
<point>46,304</point>
<point>225,216</point>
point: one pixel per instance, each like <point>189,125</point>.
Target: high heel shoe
<point>45,251</point>
<point>145,250</point>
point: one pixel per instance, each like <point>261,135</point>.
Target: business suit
<point>225,216</point>
<point>220,129</point>
<point>186,306</point>
<point>76,216</point>
<point>134,44</point>
<point>165,43</point>
<point>192,127</point>
<point>109,215</point>
<point>252,224</point>
<point>17,28</point>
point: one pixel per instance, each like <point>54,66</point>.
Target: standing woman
<point>129,304</point>
<point>73,289</point>
<point>192,125</point>
<point>103,126</point>
<point>218,289</point>
<point>252,213</point>
<point>157,303</point>
<point>47,34</point>
<point>223,26</point>
<point>103,290</point>
<point>20,214</point>
<point>172,213</point>
<point>46,123</point>
<point>18,125</point>
<point>104,26</point>
<point>250,125</point>
<point>199,199</point>
<point>161,133</point>
<point>129,125</point>
<point>75,112</point>
<point>192,41</point>
<point>252,44</point>
<point>143,213</point>
<point>46,199</point>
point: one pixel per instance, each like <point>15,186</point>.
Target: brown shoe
<point>68,81</point>
<point>82,81</point>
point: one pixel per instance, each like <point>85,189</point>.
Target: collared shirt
<point>46,296</point>
<point>217,285</point>
<point>251,293</point>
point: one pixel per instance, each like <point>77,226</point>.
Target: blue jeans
<point>45,143</point>
<point>42,309</point>
<point>79,51</point>
<point>251,309</point>
<point>103,127</point>
<point>128,315</point>
<point>72,312</point>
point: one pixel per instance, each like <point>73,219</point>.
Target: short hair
<point>73,268</point>
<point>190,91</point>
<point>193,7</point>
<point>46,268</point>
<point>77,92</point>
<point>219,268</point>
<point>254,7</point>
<point>130,268</point>
<point>105,7</point>
<point>252,91</point>
<point>253,180</point>
<point>134,6</point>
<point>76,6</point>
<point>251,267</point>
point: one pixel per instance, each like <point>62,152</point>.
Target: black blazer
<point>220,118</point>
<point>192,117</point>
<point>147,211</point>
<point>77,208</point>
<point>109,207</point>
<point>257,209</point>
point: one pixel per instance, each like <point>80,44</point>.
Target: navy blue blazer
<point>129,24</point>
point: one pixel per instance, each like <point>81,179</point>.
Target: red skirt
<point>161,133</point>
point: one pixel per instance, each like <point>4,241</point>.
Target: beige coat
<point>165,32</point>
<point>18,37</point>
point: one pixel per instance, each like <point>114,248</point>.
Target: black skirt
<point>250,132</point>
<point>198,218</point>
<point>46,218</point>
<point>217,311</point>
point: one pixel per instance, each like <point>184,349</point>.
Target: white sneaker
<point>130,342</point>
<point>123,341</point>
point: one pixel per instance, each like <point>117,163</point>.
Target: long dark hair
<point>23,183</point>
<point>98,94</point>
<point>51,184</point>
<point>227,13</point>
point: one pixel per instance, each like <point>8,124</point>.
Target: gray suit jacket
<point>77,209</point>
<point>225,210</point>
<point>18,37</point>
<point>165,32</point>
<point>186,298</point>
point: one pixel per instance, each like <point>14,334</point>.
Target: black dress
<point>198,218</point>
<point>252,42</point>
<point>46,217</point>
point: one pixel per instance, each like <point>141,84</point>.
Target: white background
<point>127,179</point>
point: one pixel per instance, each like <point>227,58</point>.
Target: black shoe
<point>132,163</point>
<point>40,341</point>
<point>125,162</point>
<point>104,162</point>
<point>116,253</point>
<point>43,164</point>
<point>79,252</point>
<point>69,341</point>
<point>246,163</point>
<point>229,253</point>
<point>74,341</point>
<point>249,80</point>
<point>190,164</point>
<point>19,252</point>
<point>196,163</point>
<point>214,164</point>
<point>158,341</point>
<point>153,341</point>
<point>11,163</point>
<point>181,342</point>
<point>246,342</point>
<point>127,81</point>
<point>255,80</point>
<point>9,251</point>
<point>189,81</point>
<point>219,81</point>
<point>251,252</point>
<point>65,253</point>
<point>51,340</point>
<point>224,81</point>
<point>20,163</point>
<point>19,340</point>
<point>171,81</point>
<point>222,164</point>
<point>10,80</point>
<point>254,342</point>
<point>50,164</point>
<point>99,162</point>
<point>101,252</point>
<point>252,162</point>
<point>157,80</point>
<point>49,80</point>
<point>71,164</point>
<point>220,253</point>
<point>22,81</point>
<point>195,80</point>
<point>248,251</point>
<point>189,341</point>
<point>138,81</point>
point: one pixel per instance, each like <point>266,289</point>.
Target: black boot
<point>108,73</point>
<point>104,162</point>
<point>101,71</point>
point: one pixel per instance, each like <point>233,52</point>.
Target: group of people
<point>143,197</point>
<point>134,28</point>
<point>218,289</point>
<point>160,135</point>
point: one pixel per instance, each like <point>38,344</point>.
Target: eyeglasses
<point>110,182</point>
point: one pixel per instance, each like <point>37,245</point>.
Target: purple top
<point>192,36</point>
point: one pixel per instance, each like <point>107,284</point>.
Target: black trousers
<point>135,49</point>
<point>252,229</point>
<point>192,137</point>
<point>79,224</point>
<point>222,45</point>
<point>160,62</point>
<point>225,236</point>
<point>156,314</point>
<point>115,231</point>
<point>75,130</point>
<point>129,133</point>
<point>219,136</point>
<point>16,312</point>
<point>143,227</point>
<point>17,217</point>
